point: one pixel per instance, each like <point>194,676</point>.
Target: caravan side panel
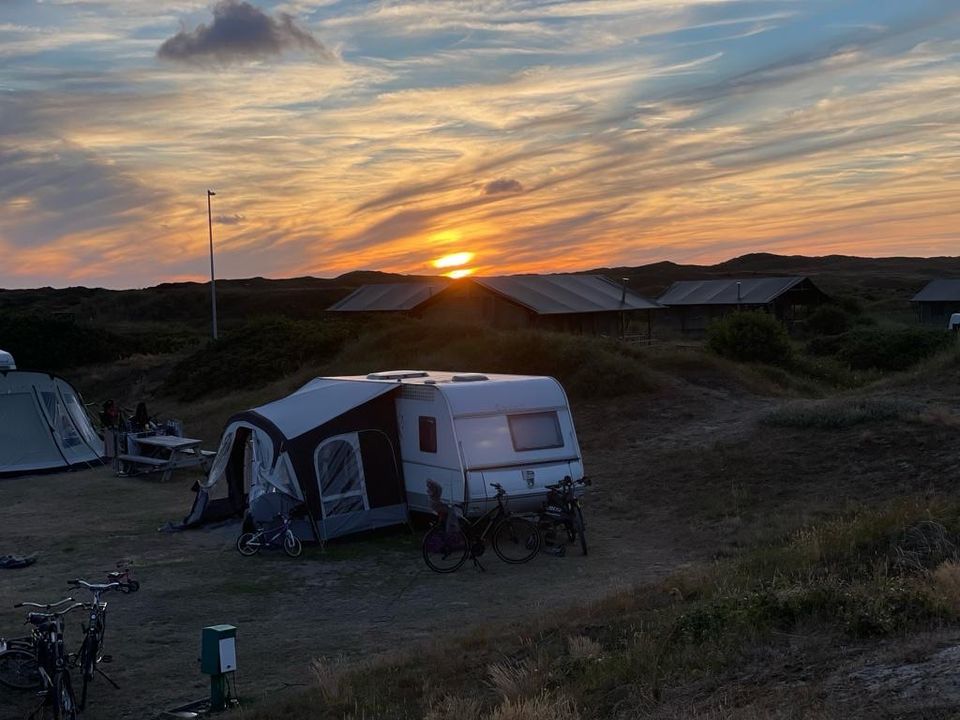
<point>524,445</point>
<point>428,446</point>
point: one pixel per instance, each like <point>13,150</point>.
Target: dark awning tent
<point>331,447</point>
<point>43,425</point>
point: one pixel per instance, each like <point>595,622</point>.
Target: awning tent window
<point>340,476</point>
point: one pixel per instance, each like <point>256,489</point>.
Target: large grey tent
<point>43,425</point>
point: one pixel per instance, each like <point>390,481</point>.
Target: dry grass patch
<point>545,706</point>
<point>946,582</point>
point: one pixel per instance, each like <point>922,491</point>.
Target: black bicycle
<point>563,513</point>
<point>19,669</point>
<point>249,543</point>
<point>53,664</point>
<point>453,538</point>
<point>91,649</point>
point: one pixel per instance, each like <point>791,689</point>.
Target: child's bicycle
<point>249,543</point>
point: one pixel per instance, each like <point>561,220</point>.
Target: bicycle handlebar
<point>128,586</point>
<point>77,582</point>
<point>567,482</point>
<point>49,606</point>
<point>35,617</point>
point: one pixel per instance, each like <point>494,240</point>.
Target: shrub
<point>750,337</point>
<point>882,348</point>
<point>253,355</point>
<point>828,320</point>
<point>586,366</point>
<point>52,343</point>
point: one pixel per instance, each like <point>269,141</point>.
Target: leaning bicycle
<point>454,538</point>
<point>53,664</point>
<point>91,649</point>
<point>19,669</point>
<point>250,543</point>
<point>563,513</point>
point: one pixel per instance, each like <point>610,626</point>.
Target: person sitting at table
<point>141,421</point>
<point>110,416</point>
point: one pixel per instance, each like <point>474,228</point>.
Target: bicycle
<point>18,659</point>
<point>53,664</point>
<point>91,649</point>
<point>562,508</point>
<point>453,538</point>
<point>249,543</point>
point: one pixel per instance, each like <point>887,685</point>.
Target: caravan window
<point>535,431</point>
<point>428,434</point>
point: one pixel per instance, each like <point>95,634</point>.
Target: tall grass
<point>635,653</point>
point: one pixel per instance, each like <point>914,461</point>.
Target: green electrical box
<point>218,650</point>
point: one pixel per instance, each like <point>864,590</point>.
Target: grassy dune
<point>695,646</point>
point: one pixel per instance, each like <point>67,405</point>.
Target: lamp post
<point>213,282</point>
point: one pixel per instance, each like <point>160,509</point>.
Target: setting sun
<point>462,272</point>
<point>454,260</point>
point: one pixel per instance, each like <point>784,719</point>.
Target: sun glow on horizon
<point>462,272</point>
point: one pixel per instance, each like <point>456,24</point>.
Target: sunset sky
<point>538,136</point>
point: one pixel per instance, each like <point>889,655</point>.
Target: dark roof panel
<point>752,291</point>
<point>939,290</point>
<point>561,294</point>
<point>391,297</point>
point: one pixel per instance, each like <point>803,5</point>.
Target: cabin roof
<point>387,297</point>
<point>752,291</point>
<point>939,290</point>
<point>566,294</point>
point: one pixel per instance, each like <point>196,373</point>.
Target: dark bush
<point>828,320</point>
<point>52,343</point>
<point>882,348</point>
<point>250,356</point>
<point>750,337</point>
<point>586,366</point>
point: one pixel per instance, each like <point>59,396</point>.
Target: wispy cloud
<point>538,135</point>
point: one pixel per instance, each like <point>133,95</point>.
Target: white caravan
<point>357,452</point>
<point>465,431</point>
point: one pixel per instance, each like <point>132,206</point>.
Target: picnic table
<point>165,453</point>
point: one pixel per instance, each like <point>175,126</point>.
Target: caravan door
<point>340,479</point>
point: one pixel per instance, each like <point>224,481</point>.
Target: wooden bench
<point>143,460</point>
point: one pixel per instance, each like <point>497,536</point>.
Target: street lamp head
<point>210,192</point>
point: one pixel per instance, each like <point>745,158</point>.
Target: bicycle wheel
<point>64,703</point>
<point>89,655</point>
<point>445,550</point>
<point>578,527</point>
<point>292,545</point>
<point>18,670</point>
<point>516,540</point>
<point>248,544</point>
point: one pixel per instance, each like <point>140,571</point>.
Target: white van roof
<point>6,361</point>
<point>472,393</point>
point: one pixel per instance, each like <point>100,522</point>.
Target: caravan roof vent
<point>472,377</point>
<point>398,375</point>
<point>6,361</point>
